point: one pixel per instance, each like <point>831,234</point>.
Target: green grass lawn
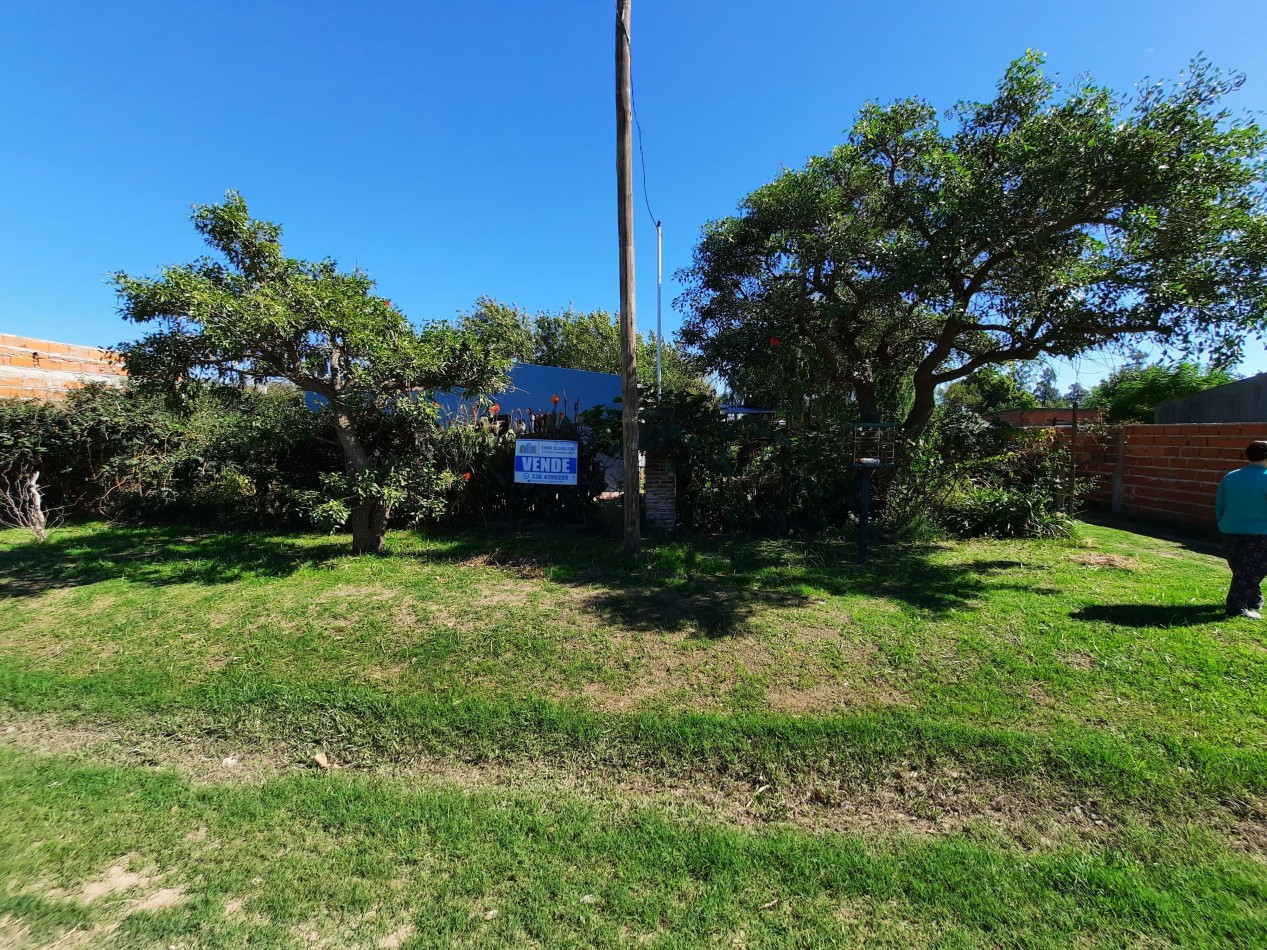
<point>731,743</point>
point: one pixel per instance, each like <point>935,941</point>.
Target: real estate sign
<point>545,462</point>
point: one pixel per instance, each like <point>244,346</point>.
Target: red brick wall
<point>660,485</point>
<point>1163,472</point>
<point>1039,418</point>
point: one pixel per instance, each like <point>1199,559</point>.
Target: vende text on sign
<point>545,461</point>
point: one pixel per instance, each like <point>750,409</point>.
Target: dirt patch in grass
<point>14,933</point>
<point>118,877</point>
<point>1037,692</point>
<point>1119,561</point>
<point>836,695</point>
<point>1249,836</point>
<point>1079,661</point>
<point>116,893</point>
<point>679,670</point>
<point>945,800</point>
<point>202,760</point>
<point>356,594</point>
<point>503,594</point>
<point>397,937</point>
<point>160,899</point>
<point>405,614</point>
<point>522,565</point>
<point>465,614</point>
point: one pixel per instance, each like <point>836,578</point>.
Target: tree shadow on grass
<point>702,606</point>
<point>712,587</point>
<point>1151,615</point>
<point>716,587</point>
<point>718,602</point>
<point>155,556</point>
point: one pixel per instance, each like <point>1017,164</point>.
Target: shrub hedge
<point>243,457</point>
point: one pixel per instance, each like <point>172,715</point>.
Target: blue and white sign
<point>545,462</point>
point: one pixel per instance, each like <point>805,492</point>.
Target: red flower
<point>494,408</point>
<point>466,476</point>
<point>555,400</point>
<point>774,341</point>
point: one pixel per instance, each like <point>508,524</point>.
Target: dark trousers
<point>1247,556</point>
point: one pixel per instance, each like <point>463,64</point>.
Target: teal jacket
<point>1241,501</point>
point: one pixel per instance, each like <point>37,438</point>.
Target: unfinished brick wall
<point>1163,472</point>
<point>42,369</point>
<point>660,486</point>
<point>1031,418</point>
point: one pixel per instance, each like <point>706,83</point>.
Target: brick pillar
<point>661,497</point>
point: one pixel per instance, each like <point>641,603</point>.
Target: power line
<point>642,158</point>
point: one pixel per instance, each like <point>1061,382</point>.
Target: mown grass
<point>1107,662</point>
<point>337,861</point>
<point>1100,669</point>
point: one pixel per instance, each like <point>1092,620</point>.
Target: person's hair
<point>1256,451</point>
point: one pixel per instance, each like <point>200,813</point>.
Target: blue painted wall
<point>531,388</point>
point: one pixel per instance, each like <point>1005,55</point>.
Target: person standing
<point>1241,508</point>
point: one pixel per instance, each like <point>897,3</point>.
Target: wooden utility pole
<point>628,323</point>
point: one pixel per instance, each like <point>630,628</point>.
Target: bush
<point>967,477</point>
<point>1007,512</point>
<point>221,454</point>
<point>226,456</point>
<point>732,474</point>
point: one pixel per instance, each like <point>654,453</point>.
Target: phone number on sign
<point>560,478</point>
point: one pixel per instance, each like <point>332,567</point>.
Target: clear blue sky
<point>464,148</point>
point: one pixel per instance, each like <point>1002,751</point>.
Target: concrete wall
<point>1242,401</point>
<point>42,369</point>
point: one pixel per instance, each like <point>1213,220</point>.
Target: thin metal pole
<point>628,323</point>
<point>659,322</point>
<point>864,514</point>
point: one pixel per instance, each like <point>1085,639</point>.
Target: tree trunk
<point>868,408</point>
<point>369,528</point>
<point>355,458</point>
<point>923,406</point>
<point>368,520</point>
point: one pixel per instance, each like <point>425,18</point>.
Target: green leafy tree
<point>1077,394</point>
<point>1048,221</point>
<point>1132,394</point>
<point>989,390</point>
<point>257,314</point>
<point>573,339</point>
<point>1024,373</point>
<point>502,321</point>
<point>1045,391</point>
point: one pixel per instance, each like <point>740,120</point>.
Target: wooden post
<point>628,323</point>
<point>1119,470</point>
